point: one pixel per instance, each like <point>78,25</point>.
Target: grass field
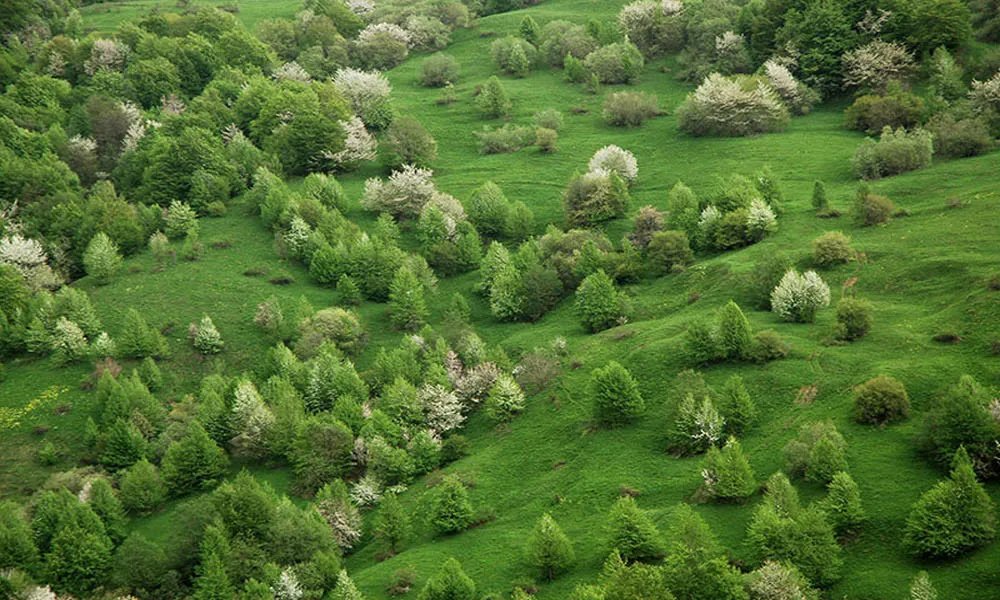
<point>105,16</point>
<point>926,275</point>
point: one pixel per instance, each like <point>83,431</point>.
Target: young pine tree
<point>632,534</point>
<point>193,462</point>
<point>207,339</point>
<point>450,583</point>
<point>843,504</point>
<point>407,308</point>
<point>819,201</point>
<point>348,292</point>
<point>493,99</point>
<point>451,510</point>
<point>727,472</point>
<point>141,489</point>
<point>734,334</point>
<point>549,550</point>
<point>737,406</point>
<point>616,395</point>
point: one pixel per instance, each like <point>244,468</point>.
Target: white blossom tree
<point>441,407</point>
<point>872,66</point>
<point>403,195</point>
<point>617,160</point>
<point>287,587</point>
<point>797,296</point>
<point>206,338</point>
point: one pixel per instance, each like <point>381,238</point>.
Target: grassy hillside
<point>105,16</point>
<point>925,274</point>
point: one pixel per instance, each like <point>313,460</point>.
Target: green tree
<point>17,546</point>
<point>529,30</point>
<point>954,516</point>
<point>727,472</point>
<point>407,308</point>
<point>493,100</point>
<point>598,302</point>
<point>695,568</point>
<point>632,534</point>
<point>345,588</point>
<point>193,463</point>
<point>826,459</point>
<point>737,406</point>
<point>450,583</point>
<point>819,200</point>
<point>451,511</point>
<point>392,525</point>
<point>108,507</point>
<point>321,452</point>
<point>138,563</point>
<point>616,395</point>
<point>734,334</point>
<point>549,550</point>
<point>348,292</point>
<point>124,444</point>
<point>139,340</point>
<point>102,260</point>
<point>212,582</point>
<point>141,489</point>
<point>843,504</point>
<point>78,560</point>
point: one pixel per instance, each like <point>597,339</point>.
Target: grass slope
<point>926,276</point>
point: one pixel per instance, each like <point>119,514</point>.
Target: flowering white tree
<point>617,160</point>
<point>359,146</point>
<point>292,71</point>
<point>476,382</point>
<point>985,95</point>
<point>29,258</point>
<point>251,417</point>
<point>371,33</point>
<point>106,55</point>
<point>103,346</point>
<point>442,408</point>
<point>367,492</point>
<point>296,237</point>
<point>361,7</point>
<point>761,219</point>
<point>365,91</point>
<point>207,339</point>
<point>672,8</point>
<point>796,95</point>
<point>101,260</point>
<point>403,195</point>
<point>872,66</point>
<point>344,520</point>
<point>68,341</point>
<point>775,581</point>
<point>723,106</point>
<point>287,587</point>
<point>797,297</point>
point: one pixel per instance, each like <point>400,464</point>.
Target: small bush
<point>545,139</point>
<point>615,63</point>
<point>439,70</point>
<point>872,209</point>
<point>513,56</point>
<point>767,346</point>
<point>872,113</point>
<point>629,109</point>
<point>895,152</point>
<point>797,297</point>
<point>881,400</point>
<point>549,118</point>
<point>960,137</point>
<point>831,248</point>
<point>406,142</point>
<point>854,318</point>
<point>669,249</point>
<point>216,209</point>
<point>503,140</point>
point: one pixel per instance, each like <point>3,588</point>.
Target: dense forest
<point>483,299</point>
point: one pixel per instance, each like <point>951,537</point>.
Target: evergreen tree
<point>727,472</point>
<point>194,462</point>
<point>139,340</point>
<point>450,583</point>
<point>212,582</point>
<point>734,335</point>
<point>632,534</point>
<point>108,507</point>
<point>493,99</point>
<point>407,308</point>
<point>139,564</point>
<point>529,30</point>
<point>392,525</point>
<point>954,516</point>
<point>826,459</point>
<point>922,588</point>
<point>348,291</point>
<point>598,303</point>
<point>695,569</point>
<point>17,545</point>
<point>101,259</point>
<point>345,588</point>
<point>616,395</point>
<point>78,560</point>
<point>843,504</point>
<point>819,200</point>
<point>549,550</point>
<point>124,444</point>
<point>737,406</point>
<point>142,489</point>
<point>150,374</point>
<point>451,511</point>
<point>505,399</point>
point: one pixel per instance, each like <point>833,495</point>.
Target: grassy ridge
<point>926,276</point>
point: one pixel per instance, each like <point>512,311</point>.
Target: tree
<point>345,588</point>
<point>207,339</point>
<point>407,308</point>
<point>124,444</point>
<point>737,406</point>
<point>505,399</point>
<point>450,583</point>
<point>695,567</point>
<point>493,99</point>
<point>101,260</point>
<point>734,333</point>
<point>78,560</point>
<point>632,534</point>
<point>212,582</point>
<point>778,581</point>
<point>668,250</point>
<point>108,507</point>
<point>598,302</point>
<point>141,489</point>
<point>843,504</point>
<point>451,511</point>
<point>17,546</point>
<point>406,142</point>
<point>321,452</point>
<point>954,516</point>
<point>192,463</point>
<point>549,550</point>
<point>727,473</point>
<point>881,400</point>
<point>819,201</point>
<point>67,342</point>
<point>805,540</point>
<point>392,524</point>
<point>138,563</point>
<point>616,395</point>
<point>722,106</point>
<point>798,297</point>
<point>922,588</point>
<point>529,30</point>
<point>139,340</point>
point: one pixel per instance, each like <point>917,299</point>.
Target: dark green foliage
<point>818,453</point>
<point>407,308</point>
<point>595,197</point>
<point>142,490</point>
<point>193,463</point>
<point>695,567</point>
<point>347,291</point>
<point>632,534</point>
<point>954,516</point>
<point>617,400</point>
<point>406,142</point>
<point>124,444</point>
<point>493,100</point>
<point>805,539</point>
<point>727,473</point>
<point>139,340</point>
<point>895,109</point>
<point>549,550</point>
<point>819,200</point>
<point>737,406</point>
<point>321,452</point>
<point>766,275</point>
<point>451,511</point>
<point>881,400</point>
<point>17,546</point>
<point>668,250</point>
<point>628,582</point>
<point>734,333</point>
<point>961,418</point>
<point>244,507</point>
<point>843,504</point>
<point>78,560</point>
<point>450,583</point>
<point>700,343</point>
<point>108,508</point>
<point>598,303</point>
<point>138,563</point>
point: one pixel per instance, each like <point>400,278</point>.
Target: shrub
<point>962,418</point>
<point>959,137</point>
<point>101,260</point>
<point>881,400</point>
<point>546,139</point>
<point>493,100</point>
<point>854,318</point>
<point>797,297</point>
<point>450,583</point>
<point>615,63</point>
<point>502,140</point>
<point>549,118</point>
<point>872,113</point>
<point>141,488</point>
<point>629,109</point>
<point>872,209</point>
<point>895,152</point>
<point>615,160</point>
<point>731,107</point>
<point>439,70</point>
<point>381,46</point>
<point>819,200</point>
<point>598,303</point>
<point>595,197</point>
<point>797,96</point>
<point>953,517</point>
<point>726,473</point>
<point>668,250</point>
<point>831,248</point>
<point>406,142</point>
<point>513,56</point>
<point>616,395</point>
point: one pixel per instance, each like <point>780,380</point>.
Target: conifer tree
<point>407,308</point>
<point>727,472</point>
<point>78,560</point>
<point>124,444</point>
<point>632,534</point>
<point>212,582</point>
<point>141,487</point>
<point>733,333</point>
<point>737,406</point>
<point>207,339</point>
<point>451,511</point>
<point>348,292</point>
<point>17,544</point>
<point>843,504</point>
<point>193,462</point>
<point>922,588</point>
<point>505,399</point>
<point>392,525</point>
<point>108,507</point>
<point>139,340</point>
<point>819,200</point>
<point>616,395</point>
<point>493,99</point>
<point>450,583</point>
<point>345,588</point>
<point>598,303</point>
<point>549,550</point>
<point>529,30</point>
